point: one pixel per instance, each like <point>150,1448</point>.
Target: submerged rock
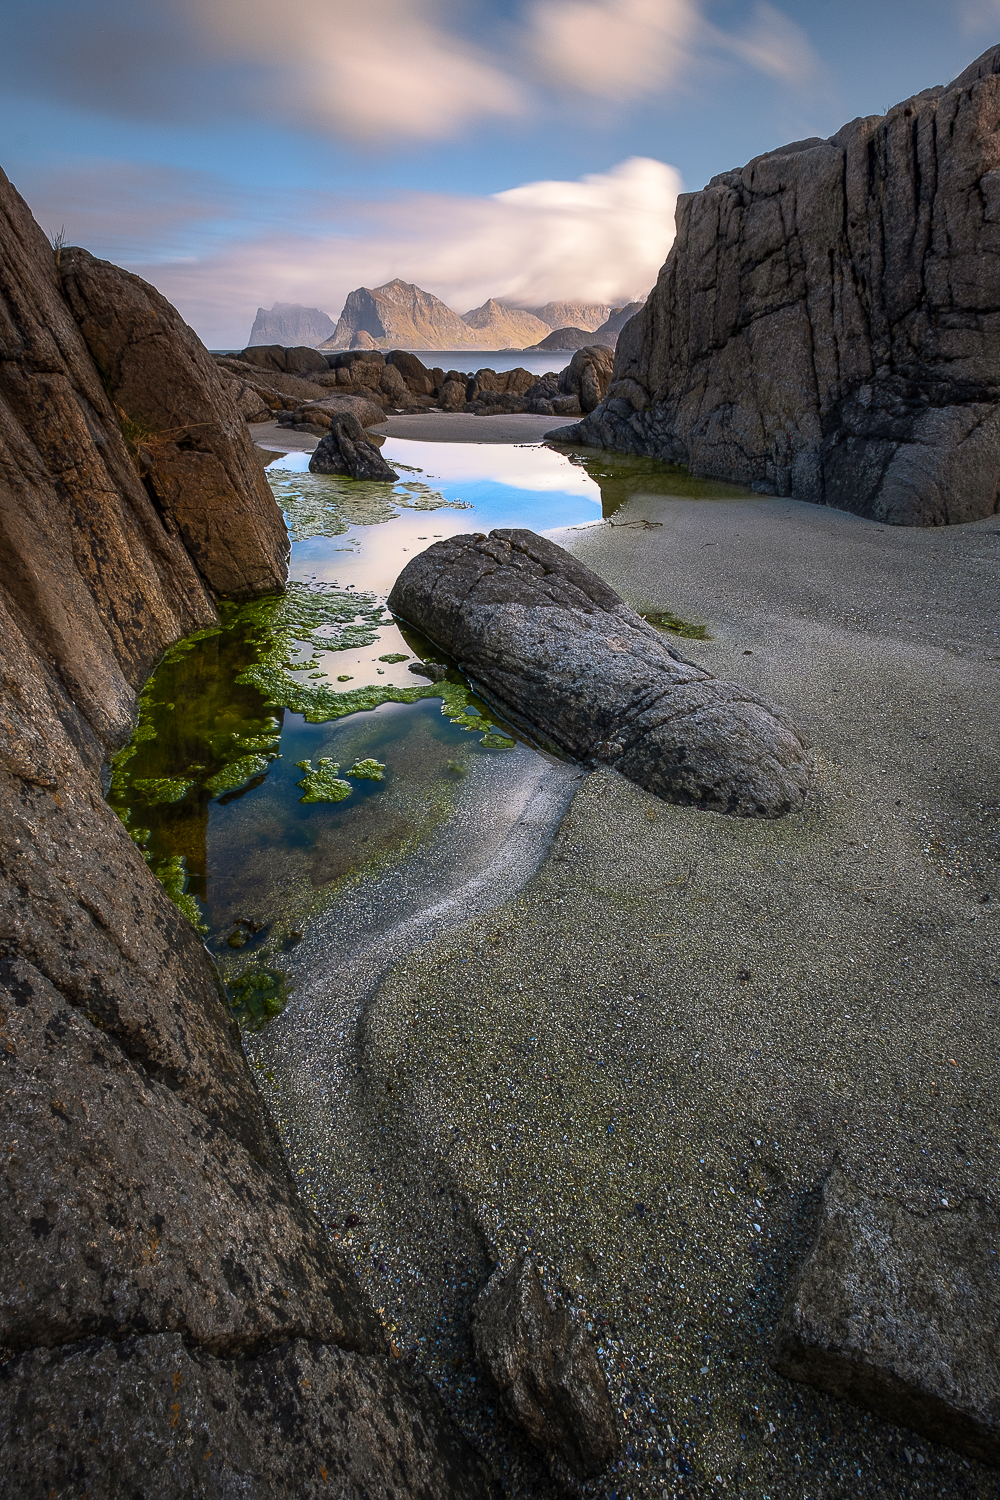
<point>346,450</point>
<point>900,1311</point>
<point>825,324</point>
<point>546,1370</point>
<point>556,650</point>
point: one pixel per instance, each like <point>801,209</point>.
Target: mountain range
<point>400,315</point>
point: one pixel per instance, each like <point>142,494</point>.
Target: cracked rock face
<point>825,325</point>
<point>546,1370</point>
<point>556,650</point>
<point>900,1311</point>
<point>303,1421</point>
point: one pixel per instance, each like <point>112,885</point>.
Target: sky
<point>242,152</point>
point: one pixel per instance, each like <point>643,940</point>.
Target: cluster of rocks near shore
<point>305,389</point>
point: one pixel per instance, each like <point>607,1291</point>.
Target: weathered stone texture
<point>559,653</point>
<point>901,1312</point>
<point>151,1416</point>
<point>826,323</point>
<point>190,435</point>
<point>144,1191</point>
<point>546,1370</point>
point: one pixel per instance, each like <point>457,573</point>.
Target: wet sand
<point>644,1061</point>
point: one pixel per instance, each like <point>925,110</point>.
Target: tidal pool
<point>244,783</point>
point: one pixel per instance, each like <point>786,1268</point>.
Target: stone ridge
<point>825,325</point>
<point>557,651</point>
<point>143,1190</point>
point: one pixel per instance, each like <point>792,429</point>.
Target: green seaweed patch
<point>257,996</point>
<point>161,789</point>
<point>494,741</point>
<point>321,782</point>
<point>367,770</point>
<point>393,656</point>
<point>236,774</point>
<point>664,620</point>
<point>172,875</point>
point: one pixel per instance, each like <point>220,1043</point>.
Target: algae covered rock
<point>557,652</point>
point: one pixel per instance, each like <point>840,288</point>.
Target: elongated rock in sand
<point>557,651</point>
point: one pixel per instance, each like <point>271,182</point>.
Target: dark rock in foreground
<point>167,1420</point>
<point>546,1370</point>
<point>556,650</point>
<point>346,450</point>
<point>825,325</point>
<point>901,1312</point>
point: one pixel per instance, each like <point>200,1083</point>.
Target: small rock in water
<point>346,450</point>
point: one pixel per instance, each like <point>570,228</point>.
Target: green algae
<point>328,505</point>
<point>160,789</point>
<point>236,773</point>
<point>256,996</point>
<point>321,782</point>
<point>394,656</point>
<point>172,875</point>
<point>664,620</point>
<point>367,770</point>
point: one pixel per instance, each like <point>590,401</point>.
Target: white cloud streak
<point>602,239</point>
<point>364,71</point>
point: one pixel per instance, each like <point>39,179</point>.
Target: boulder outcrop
<point>545,1368</point>
<point>825,324</point>
<point>588,376</point>
<point>559,654</point>
<point>194,451</point>
<point>346,450</point>
<point>900,1311</point>
<point>145,1195</point>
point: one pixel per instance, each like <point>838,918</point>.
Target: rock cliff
<point>150,1227</point>
<point>825,325</point>
<point>291,323</point>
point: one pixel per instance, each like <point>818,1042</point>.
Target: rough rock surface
<point>143,1190</point>
<point>558,652</point>
<point>901,1311</point>
<point>192,441</point>
<point>317,416</point>
<point>346,450</point>
<point>588,375</point>
<point>303,1421</point>
<point>546,1370</point>
<point>825,325</point>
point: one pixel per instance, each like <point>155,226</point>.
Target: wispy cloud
<point>367,71</point>
<point>378,73</point>
<point>601,238</point>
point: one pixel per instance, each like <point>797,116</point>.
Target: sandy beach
<point>645,1062</point>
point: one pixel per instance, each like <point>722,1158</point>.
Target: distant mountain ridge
<point>400,315</point>
<point>290,324</point>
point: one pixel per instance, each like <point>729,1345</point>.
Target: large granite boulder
<point>144,1194</point>
<point>901,1311</point>
<point>556,650</point>
<point>545,1368</point>
<point>190,437</point>
<point>825,325</point>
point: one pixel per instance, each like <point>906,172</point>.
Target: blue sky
<point>239,152</point>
